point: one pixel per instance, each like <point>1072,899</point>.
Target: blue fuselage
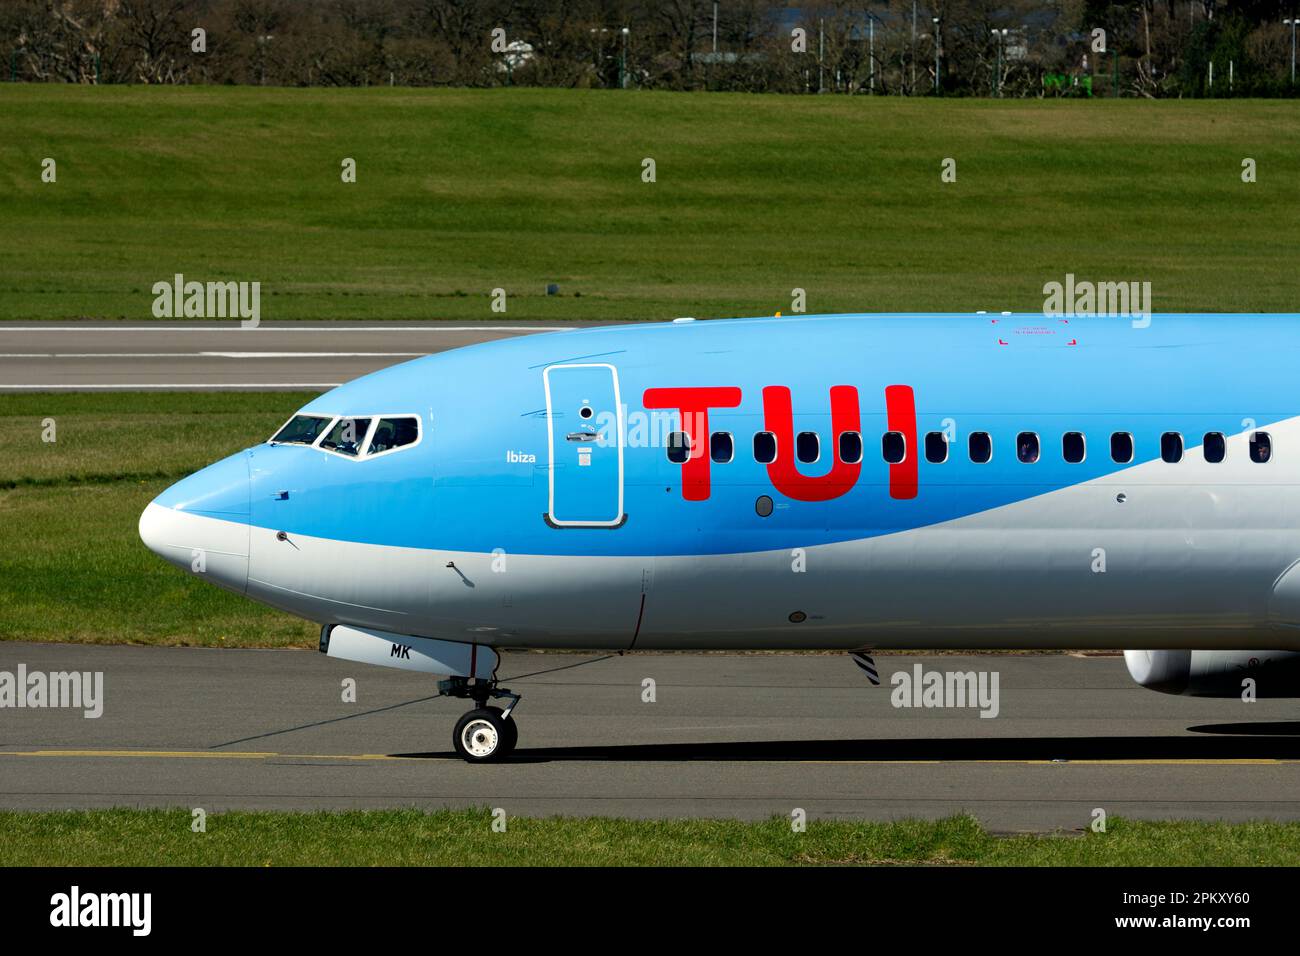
<point>562,446</point>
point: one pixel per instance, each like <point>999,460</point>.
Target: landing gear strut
<point>484,734</point>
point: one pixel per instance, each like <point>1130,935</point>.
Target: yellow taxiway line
<point>266,755</point>
<point>205,754</point>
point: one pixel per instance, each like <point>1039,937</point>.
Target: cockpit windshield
<point>301,430</point>
<point>346,436</point>
<point>393,433</point>
<point>351,435</point>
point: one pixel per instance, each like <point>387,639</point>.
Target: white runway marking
<point>238,355</point>
<point>266,328</point>
<point>309,354</point>
<point>189,386</point>
<point>140,354</point>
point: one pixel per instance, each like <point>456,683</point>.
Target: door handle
<point>582,436</point>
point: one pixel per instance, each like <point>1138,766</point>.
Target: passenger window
<point>850,448</point>
<point>721,447</point>
<point>678,447</point>
<point>894,447</point>
<point>936,448</point>
<point>1073,447</point>
<point>301,430</point>
<point>1171,447</point>
<point>1215,447</point>
<point>1121,447</point>
<point>764,448</point>
<point>346,436</point>
<point>981,447</point>
<point>393,433</point>
<point>807,446</point>
<point>1261,447</point>
<point>1027,447</point>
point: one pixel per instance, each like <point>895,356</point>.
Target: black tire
<point>483,736</point>
<point>512,733</point>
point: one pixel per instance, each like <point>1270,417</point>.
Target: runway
<point>744,736</point>
<point>207,355</point>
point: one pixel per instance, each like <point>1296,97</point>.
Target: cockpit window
<point>393,433</point>
<point>346,436</point>
<point>301,430</point>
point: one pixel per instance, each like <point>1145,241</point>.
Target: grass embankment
<point>128,837</point>
<point>459,192</point>
<point>74,566</point>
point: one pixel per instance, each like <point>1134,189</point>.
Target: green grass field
<point>75,569</point>
<point>466,838</point>
<point>463,191</point>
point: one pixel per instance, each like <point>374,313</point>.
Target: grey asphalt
<point>744,736</point>
<point>107,356</point>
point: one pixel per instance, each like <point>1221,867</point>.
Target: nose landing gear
<point>484,734</point>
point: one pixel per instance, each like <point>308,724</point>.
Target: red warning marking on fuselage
<point>900,409</point>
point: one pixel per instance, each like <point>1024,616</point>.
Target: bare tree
<point>154,31</point>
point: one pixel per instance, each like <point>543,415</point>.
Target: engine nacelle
<point>1216,673</point>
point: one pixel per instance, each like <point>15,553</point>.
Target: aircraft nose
<point>201,523</point>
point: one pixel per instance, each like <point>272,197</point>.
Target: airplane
<point>839,482</point>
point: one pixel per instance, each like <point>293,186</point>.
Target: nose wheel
<point>484,734</point>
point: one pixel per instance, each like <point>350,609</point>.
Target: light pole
<point>622,64</point>
<point>1292,21</point>
<point>999,37</point>
<point>936,55</point>
<point>1002,67</point>
<point>262,41</point>
<point>871,29</point>
<point>912,91</point>
<point>599,35</point>
<point>821,52</point>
